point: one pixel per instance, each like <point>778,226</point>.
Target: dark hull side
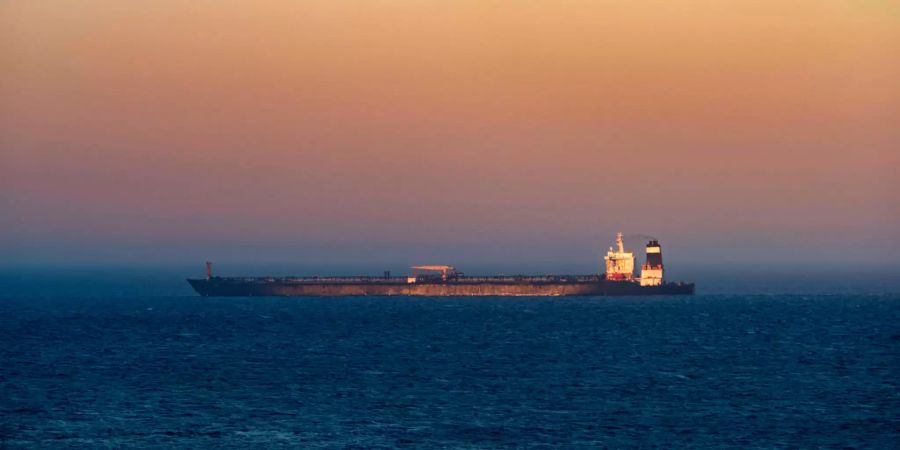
<point>223,287</point>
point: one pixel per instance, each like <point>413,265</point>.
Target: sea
<point>758,359</point>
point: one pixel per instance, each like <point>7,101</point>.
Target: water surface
<point>138,361</point>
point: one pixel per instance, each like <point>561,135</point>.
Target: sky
<point>453,132</point>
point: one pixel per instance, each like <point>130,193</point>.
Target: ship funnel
<point>652,270</point>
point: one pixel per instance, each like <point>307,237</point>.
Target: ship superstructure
<point>445,280</point>
<point>619,263</point>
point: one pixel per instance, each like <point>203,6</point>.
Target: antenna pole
<point>208,270</point>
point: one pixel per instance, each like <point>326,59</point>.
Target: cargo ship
<point>446,281</point>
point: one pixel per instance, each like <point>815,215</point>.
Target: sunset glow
<point>173,130</point>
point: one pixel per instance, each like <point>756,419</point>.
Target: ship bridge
<point>619,263</point>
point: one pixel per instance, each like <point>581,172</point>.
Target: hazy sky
<point>448,131</point>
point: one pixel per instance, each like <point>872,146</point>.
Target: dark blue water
<point>137,361</point>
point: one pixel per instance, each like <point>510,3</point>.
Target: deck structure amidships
<point>446,281</point>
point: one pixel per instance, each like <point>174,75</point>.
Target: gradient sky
<point>448,131</point>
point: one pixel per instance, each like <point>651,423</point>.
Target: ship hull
<point>267,287</point>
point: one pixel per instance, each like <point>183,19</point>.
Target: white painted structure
<point>619,263</point>
<point>651,277</point>
<point>446,272</point>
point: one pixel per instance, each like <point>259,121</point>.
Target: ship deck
<point>498,279</point>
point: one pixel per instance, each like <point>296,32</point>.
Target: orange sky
<point>740,130</point>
